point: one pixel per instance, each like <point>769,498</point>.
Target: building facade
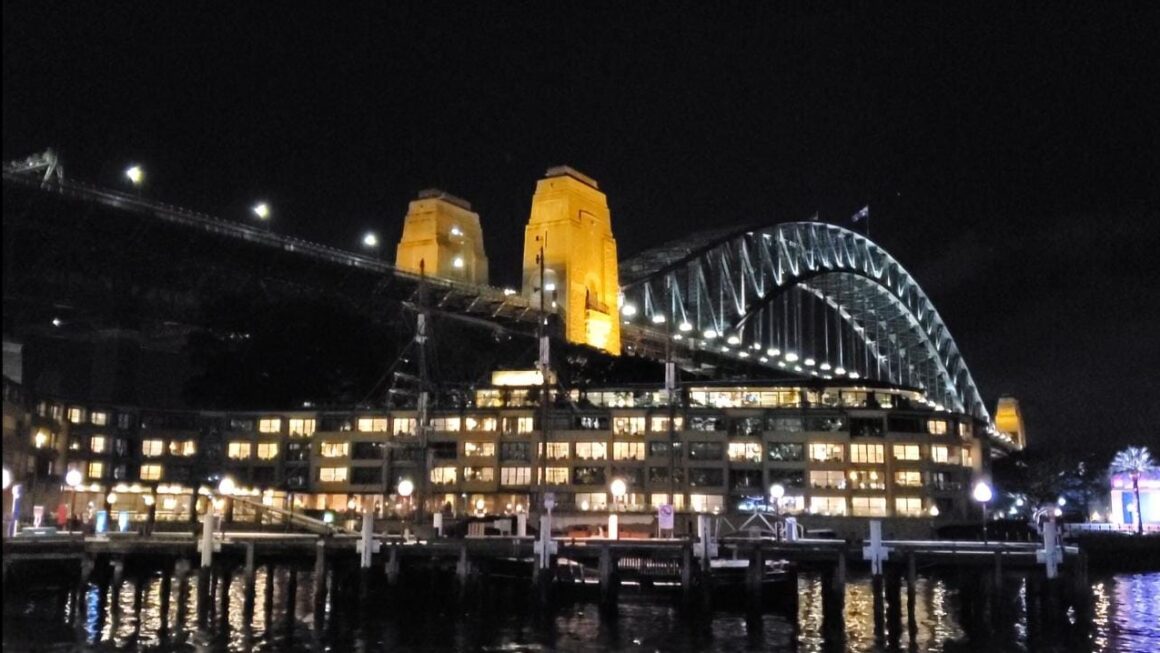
<point>853,450</point>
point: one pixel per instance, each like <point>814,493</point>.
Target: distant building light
<point>658,318</point>
<point>457,263</point>
<point>456,231</point>
<point>262,210</point>
<point>733,339</point>
<point>508,292</point>
<point>550,287</point>
<point>791,357</point>
<point>710,334</point>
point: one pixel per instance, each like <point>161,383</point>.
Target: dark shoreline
<point>1117,552</point>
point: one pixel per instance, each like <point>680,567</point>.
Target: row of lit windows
<point>866,506</point>
<point>155,448</point>
<point>875,453</point>
<point>243,450</point>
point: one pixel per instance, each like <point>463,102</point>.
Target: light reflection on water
<point>1125,616</point>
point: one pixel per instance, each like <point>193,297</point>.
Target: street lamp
<point>136,175</point>
<point>72,479</point>
<point>776,492</point>
<point>226,486</point>
<point>982,493</point>
<point>262,210</point>
<point>619,489</point>
<point>371,242</point>
<point>405,489</point>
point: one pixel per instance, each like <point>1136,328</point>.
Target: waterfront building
<point>842,449</point>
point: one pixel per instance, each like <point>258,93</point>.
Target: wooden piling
<point>291,595</point>
<point>879,600</point>
<point>181,571</point>
<point>319,581</point>
<point>687,573</point>
<point>81,604</point>
<point>893,606</point>
<point>393,567</point>
<point>911,594</point>
<point>250,582</point>
<point>166,588</point>
<point>609,579</point>
<point>462,570</point>
<point>227,577</point>
<point>754,575</point>
<point>203,595</point>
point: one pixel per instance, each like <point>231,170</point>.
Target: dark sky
<point>1010,159</point>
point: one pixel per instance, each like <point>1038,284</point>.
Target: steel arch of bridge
<point>740,291</point>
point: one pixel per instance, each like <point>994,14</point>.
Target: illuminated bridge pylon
<point>804,298</point>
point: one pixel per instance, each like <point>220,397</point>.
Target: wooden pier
<point>358,566</point>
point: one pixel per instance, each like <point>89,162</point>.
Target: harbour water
<point>1125,617</point>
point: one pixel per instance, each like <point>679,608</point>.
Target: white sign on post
<point>37,515</point>
<point>665,517</point>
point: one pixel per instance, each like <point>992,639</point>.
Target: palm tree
<point>1134,461</point>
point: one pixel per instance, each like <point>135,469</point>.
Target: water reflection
<point>1124,616</point>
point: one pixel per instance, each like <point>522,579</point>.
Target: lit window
<point>592,451</point>
<point>906,452</point>
<point>404,426</point>
<point>828,505</point>
<point>96,470</point>
<point>446,424</point>
<point>828,479</point>
<point>556,451</point>
<point>76,414</point>
<point>521,424</point>
<point>239,450</point>
<point>936,426</point>
<point>908,506</point>
<point>302,427</point>
<point>182,447</point>
<point>372,424</point>
<point>908,478</point>
<point>866,453</point>
<point>99,418</point>
<point>660,499</point>
<point>706,502</point>
<point>661,424</point>
<point>487,424</point>
<point>267,450</point>
<point>150,472</point>
<point>515,475</point>
<point>868,506</point>
<point>866,480</point>
<point>938,453</point>
<point>443,475</point>
<point>479,449</point>
<point>556,475</point>
<point>747,452</point>
<point>592,500</point>
<point>98,444</point>
<point>628,451</point>
<point>42,440</point>
<point>628,425</point>
<point>826,452</point>
<point>968,458</point>
<point>152,448</point>
<point>332,474</point>
<point>270,425</point>
<point>965,430</point>
<point>335,449</point>
<point>478,474</point>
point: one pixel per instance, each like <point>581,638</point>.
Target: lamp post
<point>136,176</point>
<point>151,513</point>
<point>619,489</point>
<point>262,211</point>
<point>73,479</point>
<point>405,489</point>
<point>371,242</point>
<point>982,493</point>
<point>776,492</point>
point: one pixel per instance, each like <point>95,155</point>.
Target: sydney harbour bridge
<point>806,300</point>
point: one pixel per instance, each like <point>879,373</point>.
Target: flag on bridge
<point>863,214</point>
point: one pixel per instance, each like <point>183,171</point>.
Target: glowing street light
<point>406,488</point>
<point>227,486</point>
<point>262,210</point>
<point>619,489</point>
<point>982,493</point>
<point>135,174</point>
<point>776,492</point>
<point>370,240</point>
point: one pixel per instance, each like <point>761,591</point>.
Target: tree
<point>1134,461</point>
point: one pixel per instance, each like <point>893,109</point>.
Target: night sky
<point>1011,160</point>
